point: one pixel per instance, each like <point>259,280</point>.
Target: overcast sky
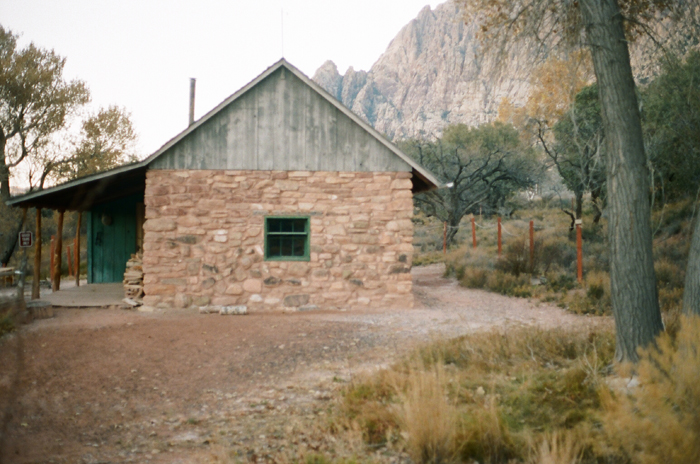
<point>140,54</point>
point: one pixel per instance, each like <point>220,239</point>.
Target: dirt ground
<point>116,386</point>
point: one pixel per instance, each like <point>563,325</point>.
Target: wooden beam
<point>77,250</point>
<point>36,290</point>
<point>59,253</point>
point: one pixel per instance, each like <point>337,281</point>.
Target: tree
<point>485,166</point>
<point>671,123</point>
<point>107,140</point>
<point>35,102</point>
<point>554,86</point>
<point>578,151</point>
<point>606,26</point>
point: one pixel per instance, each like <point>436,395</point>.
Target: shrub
<point>473,277</point>
<point>597,297</point>
<point>7,324</point>
<point>659,421</point>
<point>668,274</point>
<point>508,284</point>
<point>516,259</point>
<point>555,253</point>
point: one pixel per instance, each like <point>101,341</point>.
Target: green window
<point>287,238</point>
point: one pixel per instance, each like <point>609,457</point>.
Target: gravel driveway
<point>104,386</point>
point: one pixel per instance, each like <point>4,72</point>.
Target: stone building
<point>278,198</point>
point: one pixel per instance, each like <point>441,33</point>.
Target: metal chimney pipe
<point>193,82</point>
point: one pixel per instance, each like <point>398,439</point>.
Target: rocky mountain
<point>432,74</point>
<point>435,73</point>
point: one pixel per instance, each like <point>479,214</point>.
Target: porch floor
<point>87,295</point>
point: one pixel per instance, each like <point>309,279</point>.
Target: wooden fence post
<point>579,251</point>
<point>500,242</point>
<point>473,233</point>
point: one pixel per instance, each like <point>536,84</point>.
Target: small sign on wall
<point>26,239</point>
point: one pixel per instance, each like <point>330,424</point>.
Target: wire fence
<point>500,230</point>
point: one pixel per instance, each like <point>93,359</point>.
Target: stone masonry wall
<point>204,239</point>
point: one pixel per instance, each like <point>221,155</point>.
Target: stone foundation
<point>204,239</point>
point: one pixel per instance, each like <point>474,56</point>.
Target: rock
<point>210,309</point>
<point>480,391</point>
<point>296,300</point>
<point>228,310</point>
<point>252,285</point>
<point>308,308</point>
<point>435,73</point>
<point>432,74</point>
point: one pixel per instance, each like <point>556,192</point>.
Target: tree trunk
<point>633,282</point>
<point>14,238</point>
<point>595,196</point>
<point>691,293</point>
<point>4,171</point>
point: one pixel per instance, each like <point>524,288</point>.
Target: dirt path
<point>116,386</point>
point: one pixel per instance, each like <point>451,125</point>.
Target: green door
<point>111,239</point>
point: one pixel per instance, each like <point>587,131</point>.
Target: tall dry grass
<point>428,417</point>
<point>490,397</point>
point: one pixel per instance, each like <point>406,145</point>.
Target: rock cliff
<point>433,73</point>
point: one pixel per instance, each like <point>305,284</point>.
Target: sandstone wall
<point>204,239</point>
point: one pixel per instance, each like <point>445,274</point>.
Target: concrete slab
<point>86,296</point>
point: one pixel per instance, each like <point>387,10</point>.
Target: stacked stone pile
<point>133,280</point>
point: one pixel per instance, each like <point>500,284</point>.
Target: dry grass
<point>490,397</point>
<point>428,417</point>
<point>659,421</point>
<point>551,277</point>
<point>561,447</point>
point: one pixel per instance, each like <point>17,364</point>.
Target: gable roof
<point>60,194</point>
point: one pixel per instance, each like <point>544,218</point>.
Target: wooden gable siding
<point>281,124</point>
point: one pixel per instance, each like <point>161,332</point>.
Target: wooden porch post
<point>77,249</point>
<point>59,253</point>
<point>37,258</point>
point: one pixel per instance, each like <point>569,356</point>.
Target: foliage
<point>578,152</point>
<point>659,421</point>
<point>671,116</point>
<point>485,166</point>
<point>107,140</point>
<point>35,102</point>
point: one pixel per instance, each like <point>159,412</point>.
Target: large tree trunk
<point>633,283</point>
<point>14,217</point>
<point>691,293</point>
<point>4,171</point>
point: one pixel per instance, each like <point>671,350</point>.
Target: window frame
<point>307,234</point>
